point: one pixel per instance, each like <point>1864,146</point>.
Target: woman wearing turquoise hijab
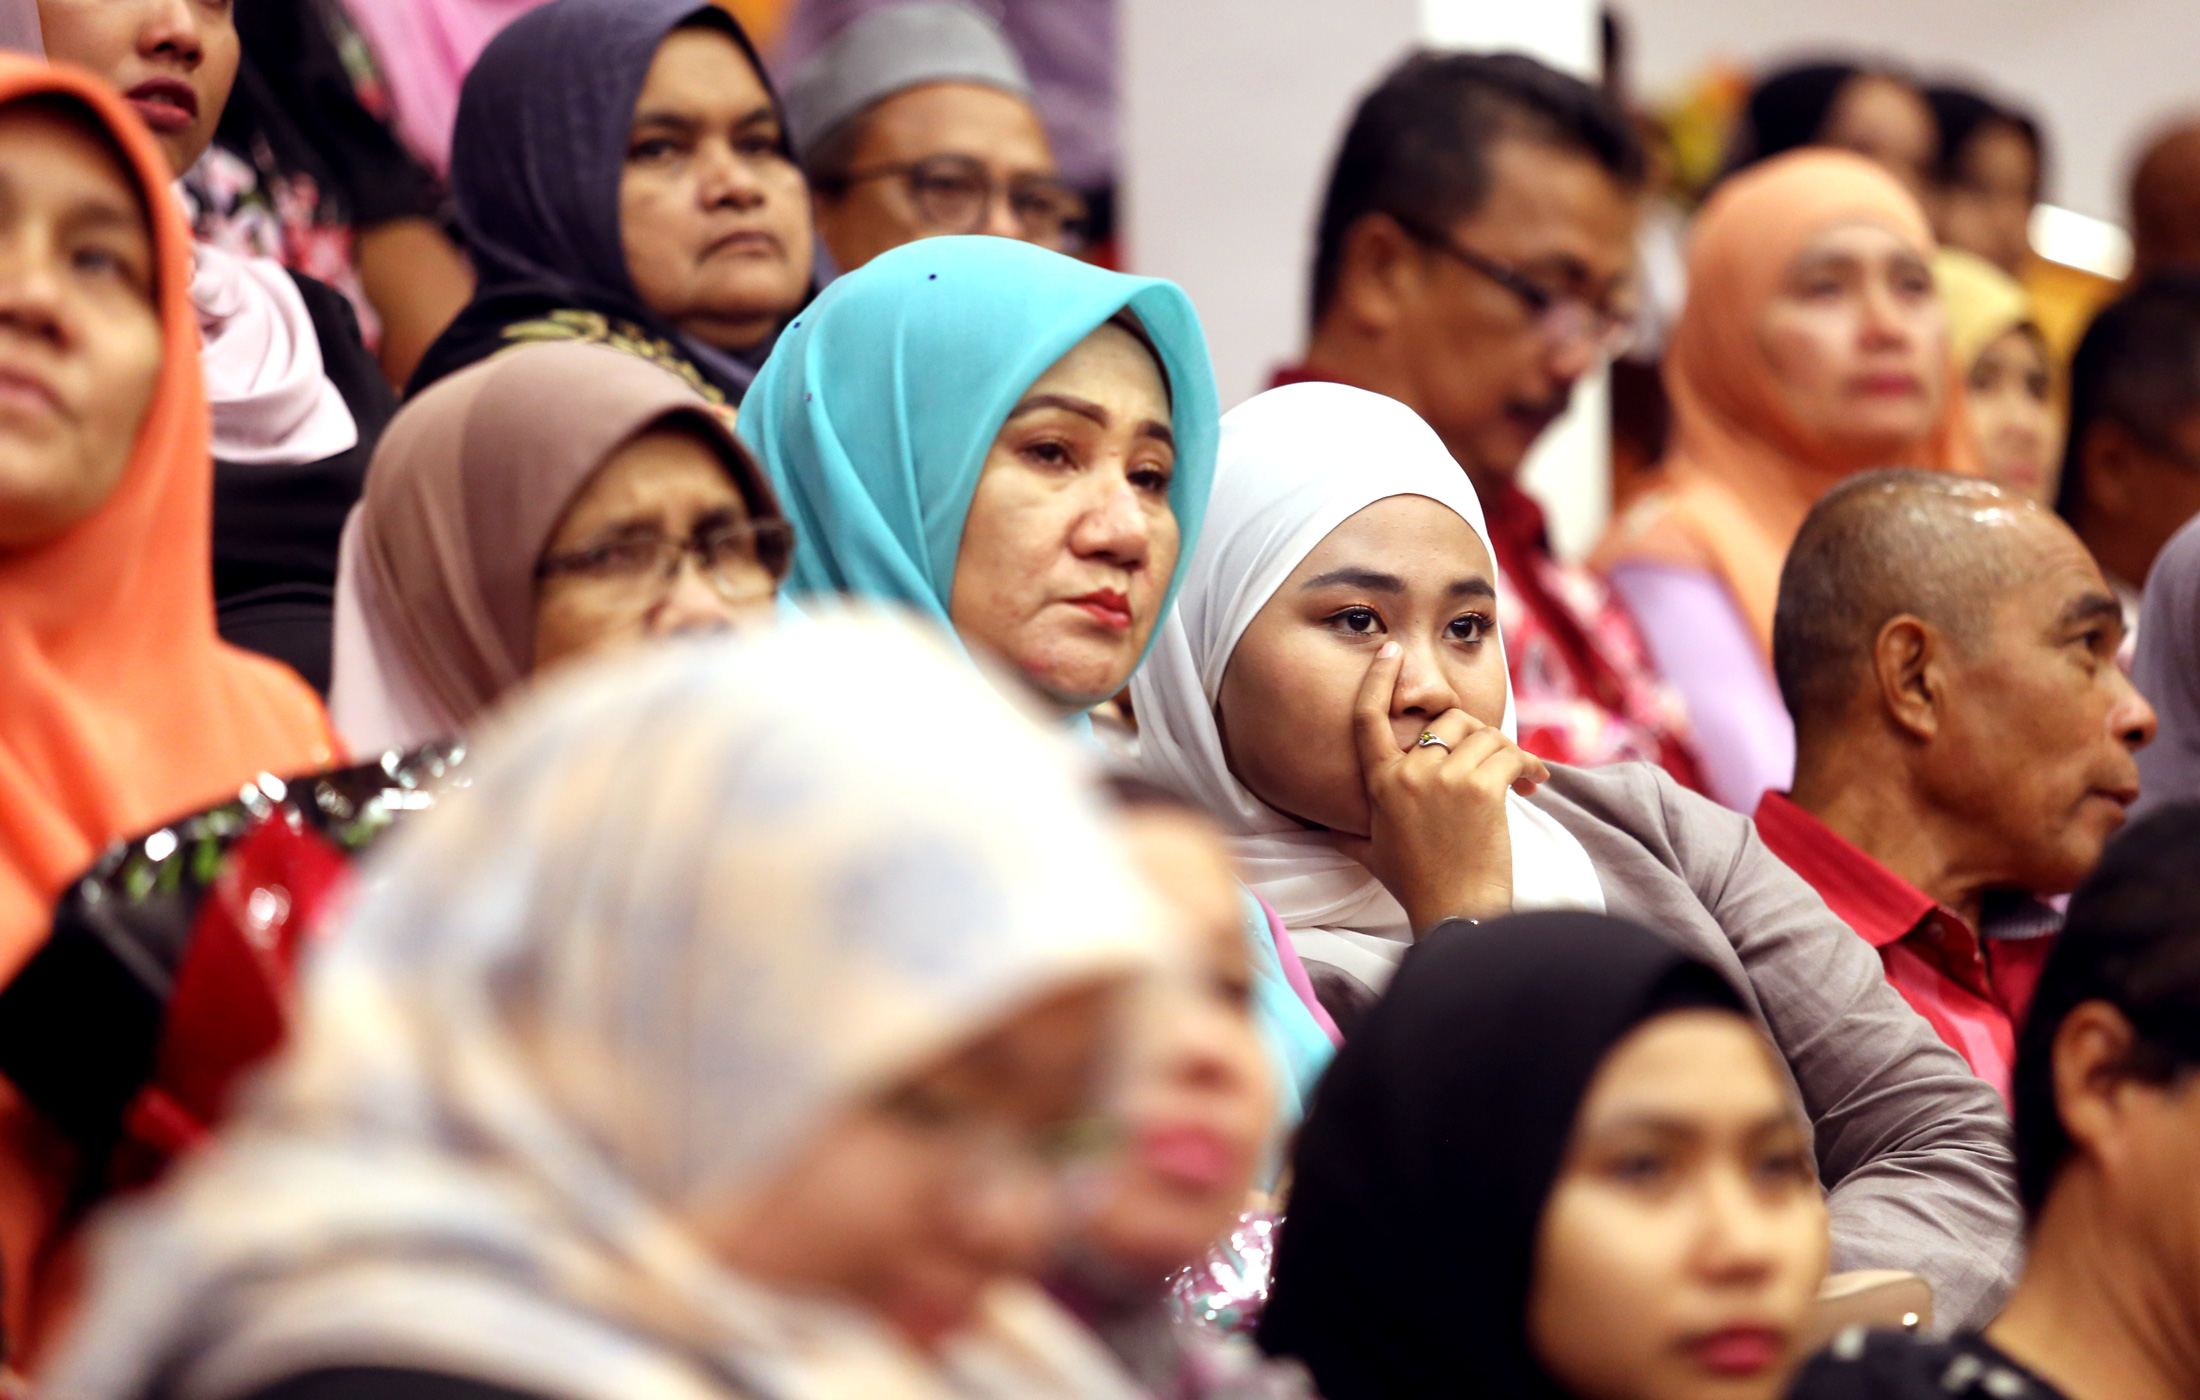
<point>1014,443</point>
<point>1019,446</point>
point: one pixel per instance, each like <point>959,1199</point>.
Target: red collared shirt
<point>1973,989</point>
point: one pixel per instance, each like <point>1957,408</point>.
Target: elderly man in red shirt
<point>1964,738</point>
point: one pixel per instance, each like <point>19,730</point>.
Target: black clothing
<point>277,528</point>
<point>1900,1366</point>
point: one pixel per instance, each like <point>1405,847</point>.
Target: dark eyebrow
<point>679,120</point>
<point>2090,607</point>
<point>1159,432</point>
<point>1471,588</point>
<point>1083,408</point>
<point>1371,579</point>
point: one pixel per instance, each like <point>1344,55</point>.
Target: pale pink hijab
<point>425,49</point>
<point>1742,473</point>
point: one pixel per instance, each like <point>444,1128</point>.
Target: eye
<point>1153,480</point>
<point>1357,622</point>
<point>1233,989</point>
<point>1787,1167</point>
<point>1469,627</point>
<point>1049,452</point>
<point>757,145</point>
<point>1643,1169</point>
<point>102,262</point>
<point>650,149</point>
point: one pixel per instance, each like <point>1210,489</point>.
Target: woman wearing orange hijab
<point>119,705</point>
<point>1812,346</point>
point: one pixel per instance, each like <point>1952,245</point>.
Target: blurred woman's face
<point>2013,415</point>
<point>80,341</point>
<point>1685,1237</point>
<point>1858,345</point>
<point>912,1204</point>
<point>1070,541</point>
<point>1987,208</point>
<point>1200,1098</point>
<point>1887,121</point>
<point>1405,570</point>
<point>174,60</point>
<point>715,219</point>
<point>659,543</point>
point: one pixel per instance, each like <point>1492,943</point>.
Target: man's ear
<point>1909,665</point>
<point>2092,1050</point>
<point>1379,274</point>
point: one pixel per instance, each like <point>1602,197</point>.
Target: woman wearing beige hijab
<point>555,501</point>
<point>761,1074</point>
<point>1812,347</point>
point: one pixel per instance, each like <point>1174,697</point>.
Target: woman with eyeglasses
<point>917,120</point>
<point>557,501</point>
<point>622,176</point>
<point>1812,346</point>
<point>693,1052</point>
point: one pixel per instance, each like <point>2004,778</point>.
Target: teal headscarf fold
<point>878,405</point>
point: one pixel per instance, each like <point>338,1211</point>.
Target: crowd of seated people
<point>652,746</point>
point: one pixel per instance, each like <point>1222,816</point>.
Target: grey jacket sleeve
<point>1912,1145</point>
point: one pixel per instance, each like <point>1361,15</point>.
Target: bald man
<point>2165,202</point>
<point>1964,738</point>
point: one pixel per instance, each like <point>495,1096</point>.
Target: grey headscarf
<point>19,28</point>
<point>685,914</point>
<point>2166,668</point>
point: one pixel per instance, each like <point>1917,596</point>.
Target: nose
<point>1885,321</point>
<point>691,606</point>
<point>1006,1218</point>
<point>1423,691</point>
<point>1000,215</point>
<point>1113,527</point>
<point>727,180</point>
<point>172,32</point>
<point>1735,1242</point>
<point>30,292</point>
<point>2131,719</point>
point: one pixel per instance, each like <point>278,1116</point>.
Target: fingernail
<point>1389,650</point>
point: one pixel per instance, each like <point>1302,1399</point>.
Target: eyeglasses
<point>1563,321</point>
<point>955,194</point>
<point>729,556</point>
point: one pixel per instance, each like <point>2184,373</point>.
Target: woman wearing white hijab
<point>698,1049</point>
<point>1264,680</point>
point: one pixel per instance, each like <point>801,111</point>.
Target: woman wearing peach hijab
<point>119,705</point>
<point>1812,346</point>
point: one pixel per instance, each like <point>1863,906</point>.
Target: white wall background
<point>2100,74</point>
<point>1232,111</point>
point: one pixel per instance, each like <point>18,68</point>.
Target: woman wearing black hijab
<point>1875,112</point>
<point>622,175</point>
<point>1555,1160</point>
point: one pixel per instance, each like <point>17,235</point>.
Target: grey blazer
<point>1912,1146</point>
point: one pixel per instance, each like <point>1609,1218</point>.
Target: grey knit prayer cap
<point>891,50</point>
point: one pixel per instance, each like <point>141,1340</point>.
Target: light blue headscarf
<point>877,407</point>
<point>874,415</point>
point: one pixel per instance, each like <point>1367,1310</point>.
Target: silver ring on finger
<point>1428,740</point>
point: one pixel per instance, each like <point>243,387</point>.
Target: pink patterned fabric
<point>426,48</point>
<point>1294,972</point>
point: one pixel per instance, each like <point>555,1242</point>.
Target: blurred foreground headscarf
<point>1743,472</point>
<point>682,918</point>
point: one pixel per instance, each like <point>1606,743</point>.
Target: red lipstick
<point>1108,607</point>
<point>1738,1351</point>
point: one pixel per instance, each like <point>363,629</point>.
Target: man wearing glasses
<point>1474,261</point>
<point>917,120</point>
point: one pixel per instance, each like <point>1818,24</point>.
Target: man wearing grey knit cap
<point>915,120</point>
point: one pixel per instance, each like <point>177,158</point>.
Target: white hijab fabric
<point>1296,463</point>
<point>683,916</point>
<point>274,404</point>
